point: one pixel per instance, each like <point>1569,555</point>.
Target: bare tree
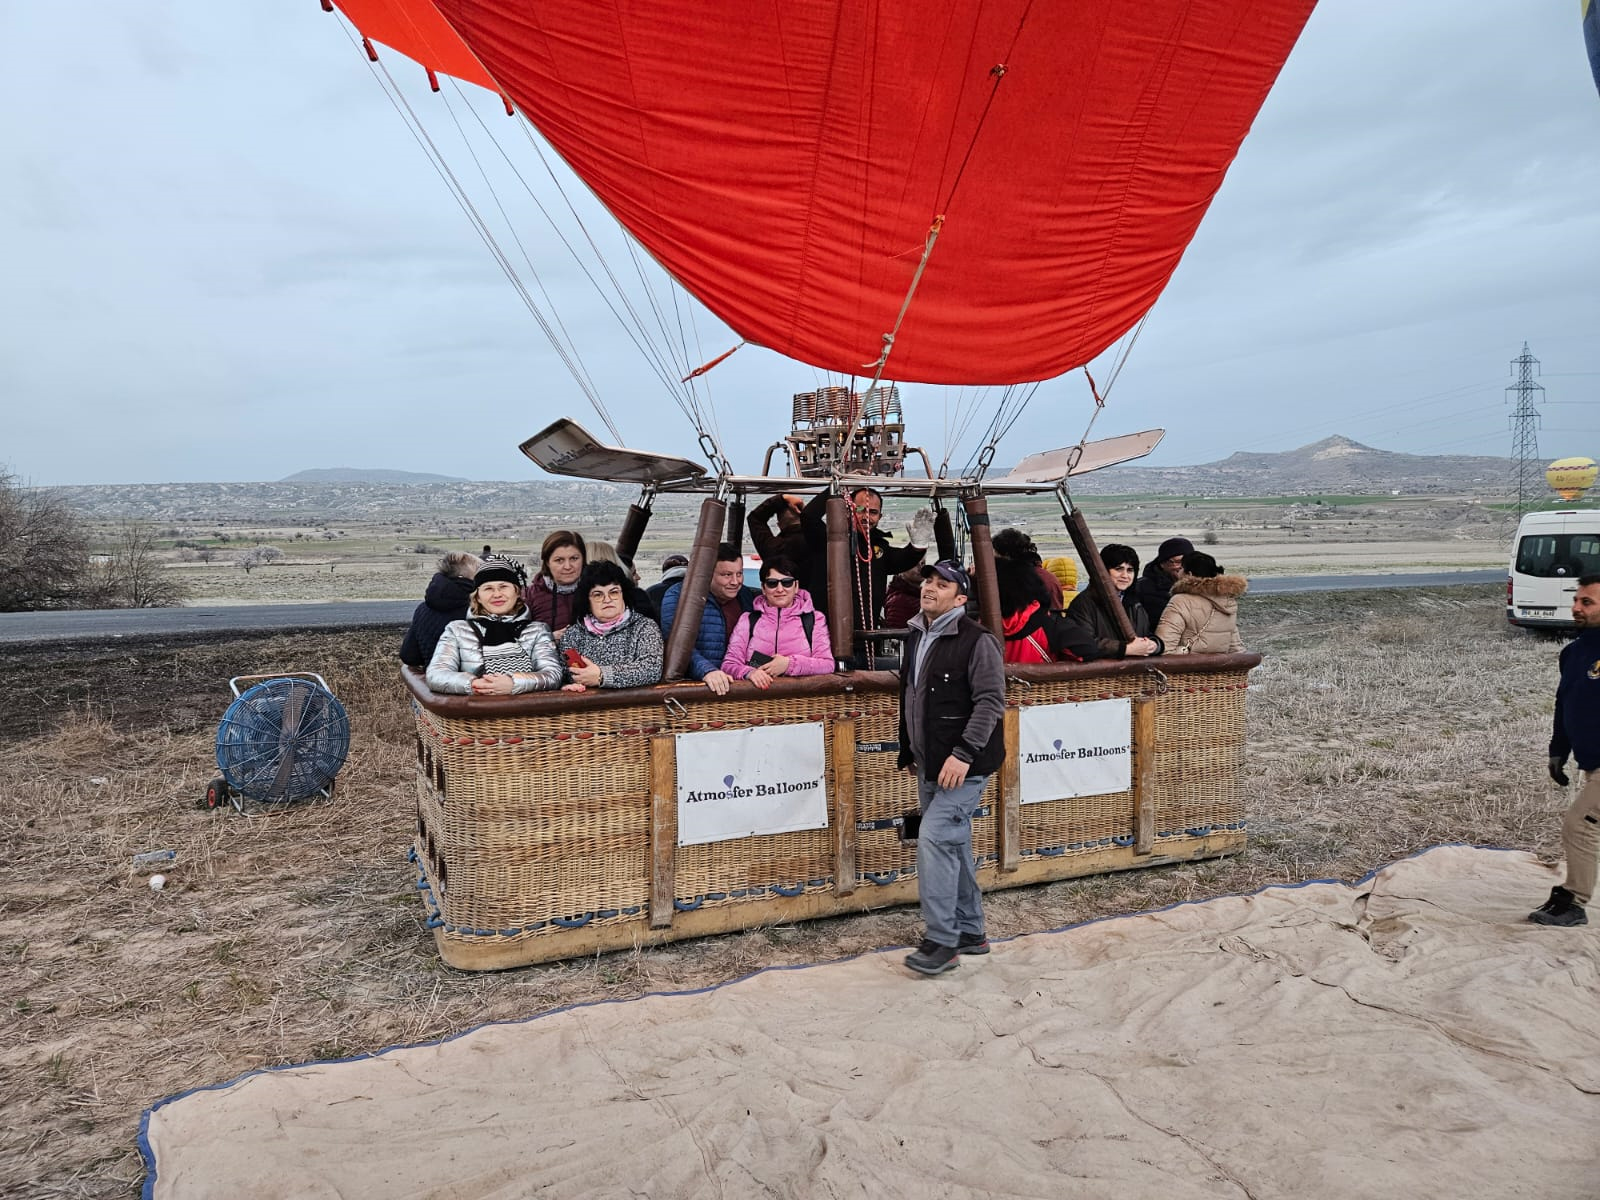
<point>256,556</point>
<point>133,577</point>
<point>44,548</point>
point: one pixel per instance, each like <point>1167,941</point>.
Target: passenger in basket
<point>551,596</point>
<point>952,696</point>
<point>1066,573</point>
<point>1017,545</point>
<point>1202,617</point>
<point>790,539</point>
<point>608,645</point>
<point>727,600</point>
<point>1122,564</point>
<point>903,600</point>
<point>1155,585</point>
<point>638,598</point>
<point>448,595</point>
<point>1577,734</point>
<point>498,649</point>
<point>783,635</point>
<point>673,567</point>
<point>1033,633</point>
<point>874,559</point>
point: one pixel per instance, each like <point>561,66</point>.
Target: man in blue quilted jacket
<point>727,599</point>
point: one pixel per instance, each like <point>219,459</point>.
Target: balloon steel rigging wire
<point>414,124</point>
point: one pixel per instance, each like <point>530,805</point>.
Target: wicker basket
<point>547,824</point>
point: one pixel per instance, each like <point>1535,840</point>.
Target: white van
<point>1550,552</point>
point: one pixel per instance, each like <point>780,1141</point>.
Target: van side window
<point>1558,555</point>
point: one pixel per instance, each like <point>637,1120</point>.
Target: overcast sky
<point>226,259</point>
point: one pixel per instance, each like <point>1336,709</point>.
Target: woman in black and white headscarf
<point>499,649</point>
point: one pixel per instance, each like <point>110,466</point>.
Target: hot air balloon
<point>1570,478</point>
<point>1025,175</point>
<point>1591,37</point>
<point>983,192</point>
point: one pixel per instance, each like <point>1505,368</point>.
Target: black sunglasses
<point>778,581</point>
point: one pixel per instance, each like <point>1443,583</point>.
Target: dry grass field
<point>389,555</point>
<point>1382,722</point>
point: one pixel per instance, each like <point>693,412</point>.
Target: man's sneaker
<point>1561,909</point>
<point>972,943</point>
<point>930,958</point>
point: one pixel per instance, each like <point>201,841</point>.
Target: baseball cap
<point>953,571</point>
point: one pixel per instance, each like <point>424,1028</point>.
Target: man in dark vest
<point>952,696</point>
<point>1577,735</point>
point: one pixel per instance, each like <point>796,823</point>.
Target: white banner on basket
<point>1075,749</point>
<point>737,782</point>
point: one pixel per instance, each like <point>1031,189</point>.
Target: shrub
<point>44,550</point>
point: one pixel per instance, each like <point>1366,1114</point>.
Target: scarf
<point>601,628</point>
<point>497,631</point>
<point>560,589</point>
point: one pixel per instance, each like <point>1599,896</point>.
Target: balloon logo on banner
<point>1056,743</point>
<point>727,781</point>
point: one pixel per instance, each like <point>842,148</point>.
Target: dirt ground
<point>1381,722</point>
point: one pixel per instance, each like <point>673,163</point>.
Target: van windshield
<point>1559,555</point>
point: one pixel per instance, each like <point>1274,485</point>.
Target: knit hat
<point>496,569</point>
<point>674,560</point>
<point>1173,547</point>
<point>1065,571</point>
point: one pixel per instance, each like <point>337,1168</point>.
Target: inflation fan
<point>282,740</point>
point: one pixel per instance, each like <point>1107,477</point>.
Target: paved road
<point>97,625</point>
<point>1349,583</point>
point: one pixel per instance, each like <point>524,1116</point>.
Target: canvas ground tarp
<point>1408,1036</point>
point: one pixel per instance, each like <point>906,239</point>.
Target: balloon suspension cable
<point>458,191</point>
<point>714,455</point>
<point>1063,498</point>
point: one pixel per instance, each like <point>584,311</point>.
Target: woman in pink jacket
<point>785,635</point>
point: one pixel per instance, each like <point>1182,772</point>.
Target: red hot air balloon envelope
<point>785,162</point>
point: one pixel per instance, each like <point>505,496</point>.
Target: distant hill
<point>358,475</point>
<point>1334,465</point>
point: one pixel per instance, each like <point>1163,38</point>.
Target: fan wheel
<point>219,793</point>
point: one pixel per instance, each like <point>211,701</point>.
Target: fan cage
<point>282,740</point>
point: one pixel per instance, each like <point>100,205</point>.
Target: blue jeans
<point>947,881</point>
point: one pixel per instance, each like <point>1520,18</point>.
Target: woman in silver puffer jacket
<point>499,649</point>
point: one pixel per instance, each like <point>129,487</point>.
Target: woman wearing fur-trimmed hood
<point>1202,617</point>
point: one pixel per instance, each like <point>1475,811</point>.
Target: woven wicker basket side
<point>534,826</point>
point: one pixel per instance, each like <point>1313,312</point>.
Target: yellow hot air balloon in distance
<point>1571,477</point>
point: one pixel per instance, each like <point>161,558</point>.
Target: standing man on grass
<point>1577,733</point>
<point>952,696</point>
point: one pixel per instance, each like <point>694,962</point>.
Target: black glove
<point>905,761</point>
<point>1558,764</point>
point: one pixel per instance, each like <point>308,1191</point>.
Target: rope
<point>997,73</point>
